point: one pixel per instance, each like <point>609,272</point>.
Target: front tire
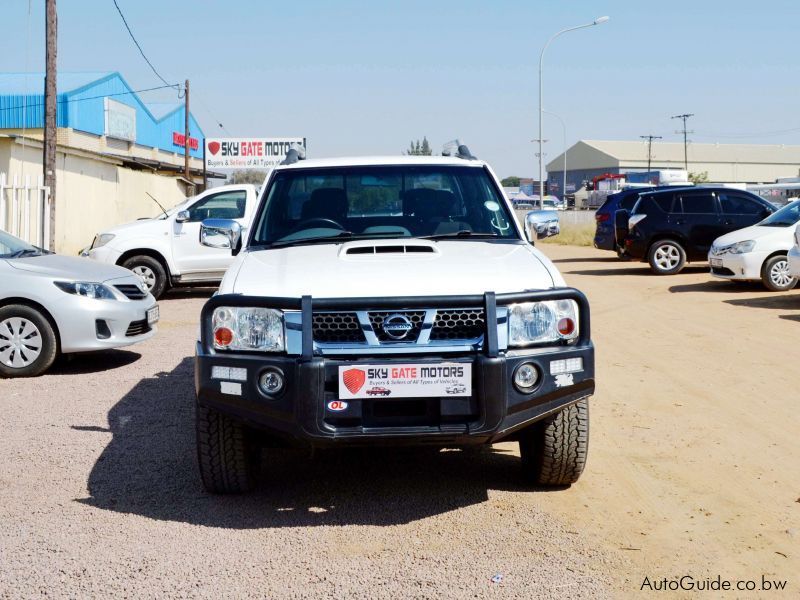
<point>150,271</point>
<point>227,457</point>
<point>28,344</point>
<point>775,274</point>
<point>666,257</point>
<point>554,450</point>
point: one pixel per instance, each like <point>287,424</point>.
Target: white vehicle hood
<point>333,271</point>
<point>779,237</point>
<point>69,268</point>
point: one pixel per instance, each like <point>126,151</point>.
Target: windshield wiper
<point>464,233</point>
<point>24,252</point>
<point>343,235</point>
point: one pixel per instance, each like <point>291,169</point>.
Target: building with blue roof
<point>114,150</point>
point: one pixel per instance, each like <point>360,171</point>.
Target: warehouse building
<point>724,163</point>
<point>113,150</point>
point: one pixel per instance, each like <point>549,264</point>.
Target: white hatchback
<point>51,304</point>
<point>761,252</point>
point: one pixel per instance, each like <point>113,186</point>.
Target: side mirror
<point>225,234</point>
<point>182,216</point>
<point>530,228</point>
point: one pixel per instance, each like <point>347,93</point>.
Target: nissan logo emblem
<point>397,326</point>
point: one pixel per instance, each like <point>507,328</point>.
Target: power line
<point>650,139</point>
<point>210,114</point>
<point>685,141</point>
<point>135,41</point>
<point>26,105</point>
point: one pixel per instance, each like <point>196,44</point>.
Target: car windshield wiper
<point>343,235</point>
<point>464,233</point>
<point>24,252</point>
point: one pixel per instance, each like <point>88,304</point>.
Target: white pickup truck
<point>389,301</point>
<point>166,251</point>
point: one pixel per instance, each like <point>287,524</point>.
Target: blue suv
<point>604,237</point>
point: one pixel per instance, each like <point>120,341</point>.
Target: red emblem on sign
<point>213,147</point>
<point>354,379</point>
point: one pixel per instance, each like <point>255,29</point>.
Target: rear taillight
<point>602,217</point>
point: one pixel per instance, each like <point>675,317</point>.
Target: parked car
<point>671,227</point>
<point>51,304</point>
<point>605,236</point>
<point>759,252</point>
<point>300,319</point>
<point>793,255</point>
<point>166,250</point>
<point>545,223</point>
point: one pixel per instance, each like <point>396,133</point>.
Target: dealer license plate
<point>411,380</point>
<point>152,315</point>
<point>716,262</point>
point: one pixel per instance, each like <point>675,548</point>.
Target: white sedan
<point>759,252</point>
<point>794,255</point>
<point>51,304</point>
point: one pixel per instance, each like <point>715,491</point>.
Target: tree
<point>419,149</point>
<point>512,181</point>
<point>700,177</point>
<point>254,176</point>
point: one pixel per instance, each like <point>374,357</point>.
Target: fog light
<point>271,382</point>
<point>525,377</point>
<point>570,365</point>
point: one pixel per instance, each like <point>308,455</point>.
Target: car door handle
<point>728,221</point>
<point>680,222</point>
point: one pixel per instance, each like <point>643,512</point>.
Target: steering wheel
<point>317,221</point>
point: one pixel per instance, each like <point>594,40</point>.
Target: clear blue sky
<point>365,77</point>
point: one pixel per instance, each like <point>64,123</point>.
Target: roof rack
<point>459,150</point>
<point>296,153</point>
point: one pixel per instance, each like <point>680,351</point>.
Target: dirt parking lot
<point>693,469</point>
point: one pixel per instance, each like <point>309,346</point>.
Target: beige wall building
<point>724,163</point>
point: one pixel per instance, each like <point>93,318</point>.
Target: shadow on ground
<point>604,259</point>
<point>717,286</point>
<point>626,270</point>
<point>181,293</point>
<point>779,301</point>
<point>791,318</point>
<point>82,363</point>
<point>149,468</point>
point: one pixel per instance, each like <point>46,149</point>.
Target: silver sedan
<point>51,304</point>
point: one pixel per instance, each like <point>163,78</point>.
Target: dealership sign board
<point>120,120</point>
<point>248,153</point>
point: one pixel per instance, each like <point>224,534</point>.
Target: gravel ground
<point>100,496</point>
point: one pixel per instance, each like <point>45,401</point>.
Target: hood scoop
<point>392,247</point>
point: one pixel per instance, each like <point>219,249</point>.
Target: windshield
<point>785,217</point>
<point>13,247</point>
<point>308,205</point>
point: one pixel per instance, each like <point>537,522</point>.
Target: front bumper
<point>301,412</point>
<point>86,324</point>
<point>794,262</point>
<point>742,267</point>
<point>103,254</point>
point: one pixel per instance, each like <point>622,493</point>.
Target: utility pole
<point>685,141</point>
<point>187,172</point>
<point>650,139</point>
<point>50,97</point>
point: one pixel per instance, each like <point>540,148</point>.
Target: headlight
<point>542,322</point>
<point>237,328</point>
<point>88,290</point>
<point>102,239</point>
<point>743,247</point>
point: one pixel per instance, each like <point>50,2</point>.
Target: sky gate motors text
<point>254,148</point>
<point>420,372</point>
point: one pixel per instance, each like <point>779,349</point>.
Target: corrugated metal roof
<point>162,109</point>
<point>33,83</point>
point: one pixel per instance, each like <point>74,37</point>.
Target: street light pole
<point>564,170</point>
<point>597,21</point>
